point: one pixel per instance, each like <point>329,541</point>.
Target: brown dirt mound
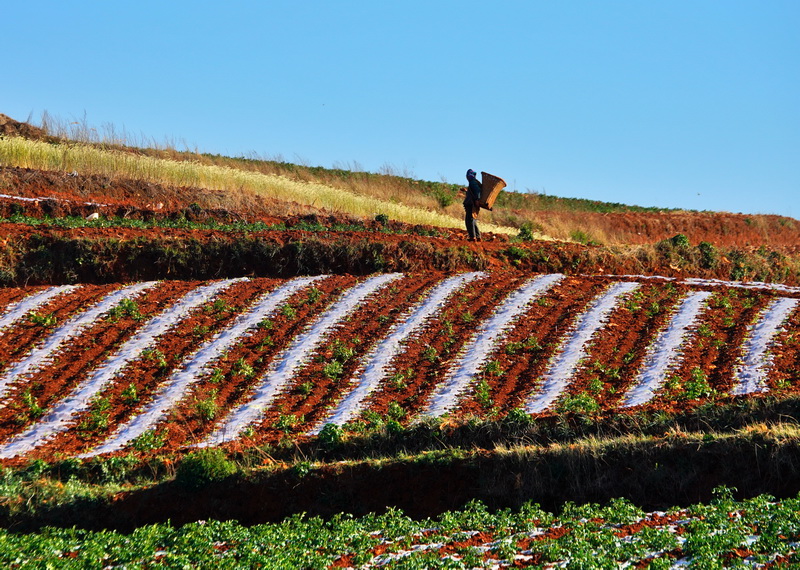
<point>635,228</point>
<point>10,127</point>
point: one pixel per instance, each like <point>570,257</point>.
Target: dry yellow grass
<point>88,159</point>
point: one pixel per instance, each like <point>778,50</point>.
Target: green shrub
<point>518,416</point>
<point>150,440</point>
<point>331,434</point>
<point>697,386</point>
<point>342,352</point>
<point>207,408</point>
<point>129,395</point>
<point>582,403</point>
<point>43,320</point>
<point>125,308</point>
<point>679,240</point>
<point>396,411</point>
<point>199,468</point>
<point>288,422</point>
<point>583,237</point>
<point>333,369</point>
<point>313,296</point>
<point>493,368</point>
<point>243,368</point>
<point>483,394</point>
<point>430,354</point>
<point>32,405</point>
<point>526,231</point>
<point>216,376</point>
<point>709,256</point>
<point>516,253</point>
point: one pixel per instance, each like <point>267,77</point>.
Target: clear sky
<point>689,104</point>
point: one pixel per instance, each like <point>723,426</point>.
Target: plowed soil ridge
<point>80,398</point>
<point>573,350</point>
<point>750,372</point>
<point>229,358</point>
<point>197,364</point>
<point>40,355</point>
<point>665,350</point>
<point>284,367</point>
<point>484,343</point>
<point>378,362</point>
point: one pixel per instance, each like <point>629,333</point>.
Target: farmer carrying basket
<point>479,195</point>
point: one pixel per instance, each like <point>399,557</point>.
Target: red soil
<point>719,228</point>
<point>517,370</point>
<point>312,390</point>
<point>82,354</point>
<point>146,373</point>
<point>256,351</point>
<point>64,194</point>
<point>11,295</point>
<point>18,339</point>
<point>639,317</point>
<point>613,357</point>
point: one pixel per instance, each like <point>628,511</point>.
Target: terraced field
<point>94,369</point>
<point>240,372</point>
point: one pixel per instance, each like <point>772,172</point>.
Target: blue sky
<point>685,104</point>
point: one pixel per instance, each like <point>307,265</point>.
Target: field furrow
<point>750,374</point>
<point>198,365</point>
<point>29,303</point>
<point>665,350</point>
<point>458,380</point>
<point>573,348</point>
<point>325,379</point>
<point>41,355</point>
<point>23,336</point>
<point>123,398</point>
<point>175,364</point>
<point>518,364</point>
<point>377,364</point>
<point>60,416</point>
<point>281,372</point>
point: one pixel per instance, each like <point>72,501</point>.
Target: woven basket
<point>491,188</point>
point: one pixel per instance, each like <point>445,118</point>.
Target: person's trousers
<point>471,223</point>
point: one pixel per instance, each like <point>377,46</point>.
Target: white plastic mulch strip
<point>376,364</point>
<point>484,342</point>
<point>196,365</point>
<point>750,374</point>
<point>281,371</point>
<point>663,353</point>
<point>16,311</point>
<point>58,419</point>
<point>45,199</point>
<point>742,284</point>
<point>21,198</point>
<point>573,348</point>
<point>40,356</point>
<point>697,281</point>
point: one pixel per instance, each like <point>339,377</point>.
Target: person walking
<point>471,200</point>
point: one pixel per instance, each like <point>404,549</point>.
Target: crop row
<point>93,369</point>
<point>756,533</point>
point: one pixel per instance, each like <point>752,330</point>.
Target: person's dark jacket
<point>473,192</point>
